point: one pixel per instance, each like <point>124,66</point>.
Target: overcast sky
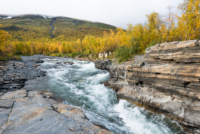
<point>114,12</point>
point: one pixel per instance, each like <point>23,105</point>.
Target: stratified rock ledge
<point>166,79</point>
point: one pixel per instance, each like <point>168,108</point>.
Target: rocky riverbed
<point>31,111</point>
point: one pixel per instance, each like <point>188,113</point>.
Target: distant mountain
<point>37,27</point>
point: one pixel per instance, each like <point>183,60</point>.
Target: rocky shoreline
<point>165,79</point>
<point>30,111</point>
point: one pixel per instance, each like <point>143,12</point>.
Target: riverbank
<point>165,79</point>
<point>31,111</point>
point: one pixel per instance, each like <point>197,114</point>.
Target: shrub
<point>125,53</point>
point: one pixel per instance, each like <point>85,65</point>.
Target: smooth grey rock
<point>6,103</point>
<point>35,114</point>
<point>4,113</point>
<point>13,95</point>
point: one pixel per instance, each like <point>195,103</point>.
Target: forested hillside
<point>33,35</point>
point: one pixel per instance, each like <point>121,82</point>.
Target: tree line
<point>134,40</point>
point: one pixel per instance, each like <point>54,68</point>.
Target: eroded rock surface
<point>166,78</point>
<point>38,112</point>
<point>13,74</point>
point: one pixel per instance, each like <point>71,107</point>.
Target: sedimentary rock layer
<point>166,78</point>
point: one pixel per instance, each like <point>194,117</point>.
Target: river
<point>80,85</point>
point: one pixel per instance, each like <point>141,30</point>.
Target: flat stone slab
<point>39,113</point>
<point>14,95</point>
<point>6,103</point>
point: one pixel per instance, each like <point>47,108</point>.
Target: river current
<point>80,85</point>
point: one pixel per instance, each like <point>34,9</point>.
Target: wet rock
<point>36,59</point>
<point>39,61</point>
<point>68,62</point>
<point>104,65</point>
<point>58,62</point>
<point>103,72</point>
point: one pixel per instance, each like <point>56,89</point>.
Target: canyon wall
<point>165,79</point>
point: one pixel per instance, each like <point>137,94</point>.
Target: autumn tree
<point>5,50</point>
<point>190,18</point>
<point>153,29</point>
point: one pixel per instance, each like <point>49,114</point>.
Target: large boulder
<point>104,65</point>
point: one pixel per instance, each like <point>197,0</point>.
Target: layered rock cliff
<point>166,79</point>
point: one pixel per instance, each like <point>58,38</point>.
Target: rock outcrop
<point>34,112</point>
<point>166,79</point>
<point>13,74</point>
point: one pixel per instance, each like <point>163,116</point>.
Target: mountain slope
<point>38,27</point>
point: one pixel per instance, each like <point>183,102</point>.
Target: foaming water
<point>133,116</point>
<point>80,85</point>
